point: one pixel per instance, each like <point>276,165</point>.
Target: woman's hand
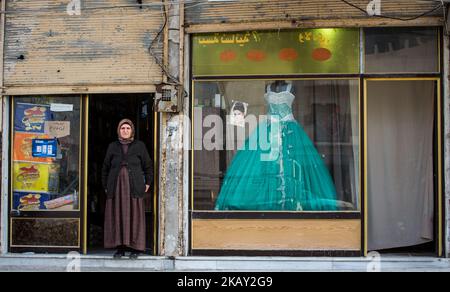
<point>147,187</point>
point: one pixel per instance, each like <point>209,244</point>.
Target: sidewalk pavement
<point>105,263</point>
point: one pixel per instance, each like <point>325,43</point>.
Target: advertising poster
<point>45,148</point>
<point>64,203</point>
<point>238,113</point>
<point>35,177</point>
<point>30,201</point>
<point>31,118</point>
<point>23,147</point>
<point>42,202</point>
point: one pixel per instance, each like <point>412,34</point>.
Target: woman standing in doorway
<point>126,176</point>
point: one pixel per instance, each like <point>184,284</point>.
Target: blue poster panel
<point>31,118</point>
<point>30,201</point>
<point>25,201</point>
<point>44,148</point>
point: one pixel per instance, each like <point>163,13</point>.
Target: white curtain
<point>400,163</point>
<point>329,112</point>
<point>354,171</point>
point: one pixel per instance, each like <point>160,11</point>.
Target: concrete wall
<point>172,204</point>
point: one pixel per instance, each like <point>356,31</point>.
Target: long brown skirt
<point>124,217</point>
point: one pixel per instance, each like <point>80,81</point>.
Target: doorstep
<point>64,262</point>
<point>93,263</point>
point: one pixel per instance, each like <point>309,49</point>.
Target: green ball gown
<point>288,175</point>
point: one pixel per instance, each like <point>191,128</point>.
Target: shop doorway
<point>105,112</point>
<point>403,169</point>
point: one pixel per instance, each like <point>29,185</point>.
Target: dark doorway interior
<point>105,112</point>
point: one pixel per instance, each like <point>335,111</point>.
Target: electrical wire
<point>143,6</point>
<point>155,56</point>
<point>445,9</point>
<point>172,80</point>
<point>392,17</point>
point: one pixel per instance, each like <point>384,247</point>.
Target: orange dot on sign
<point>288,54</point>
<point>256,55</point>
<point>228,56</point>
<point>321,54</point>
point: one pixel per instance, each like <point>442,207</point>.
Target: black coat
<point>138,162</point>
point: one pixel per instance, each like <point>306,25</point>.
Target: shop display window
<point>46,154</point>
<point>276,145</point>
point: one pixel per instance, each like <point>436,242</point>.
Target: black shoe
<point>119,254</point>
<point>134,256</point>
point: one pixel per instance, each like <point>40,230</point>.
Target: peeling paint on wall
<point>269,10</point>
<point>77,50</point>
<point>171,184</point>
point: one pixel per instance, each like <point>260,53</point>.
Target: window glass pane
<point>45,232</point>
<point>276,145</point>
<point>401,50</point>
<point>46,153</point>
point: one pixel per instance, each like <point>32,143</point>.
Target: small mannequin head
<point>280,86</point>
<point>239,107</point>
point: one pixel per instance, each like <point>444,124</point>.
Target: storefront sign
<point>45,148</point>
<point>57,129</point>
<point>304,51</point>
